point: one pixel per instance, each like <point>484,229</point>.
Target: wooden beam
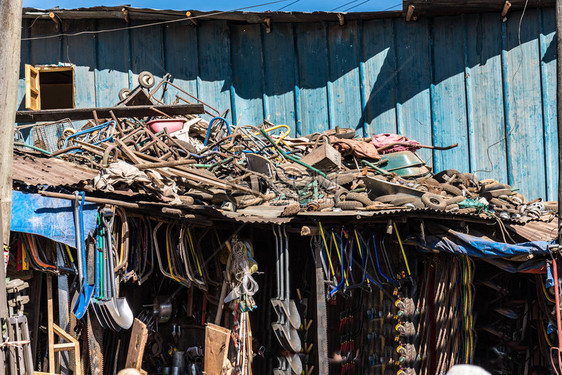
<point>453,7</point>
<point>86,113</point>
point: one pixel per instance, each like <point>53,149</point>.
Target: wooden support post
<point>559,108</point>
<point>139,335</point>
<point>71,343</point>
<point>10,35</point>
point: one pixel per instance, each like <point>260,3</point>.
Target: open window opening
<point>49,87</point>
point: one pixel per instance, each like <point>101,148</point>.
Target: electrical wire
<point>94,32</point>
<point>355,6</point>
<point>341,6</point>
<point>288,5</point>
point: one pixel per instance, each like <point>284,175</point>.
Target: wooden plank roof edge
<point>146,14</point>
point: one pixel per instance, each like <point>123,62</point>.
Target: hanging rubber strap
<point>193,254</point>
<point>402,248</point>
<point>327,249</point>
<point>337,287</point>
<point>168,254</point>
<point>363,261</point>
<point>378,263</point>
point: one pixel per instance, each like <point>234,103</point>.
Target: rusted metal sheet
<point>32,169</point>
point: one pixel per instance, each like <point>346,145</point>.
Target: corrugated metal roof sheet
<point>32,169</point>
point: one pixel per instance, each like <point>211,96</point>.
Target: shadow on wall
<point>252,63</point>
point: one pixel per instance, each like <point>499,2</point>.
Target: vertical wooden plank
<point>380,90</point>
<point>181,60</point>
<point>312,56</point>
<point>413,80</point>
<point>344,75</point>
<point>448,100</point>
<point>146,52</point>
<point>279,60</point>
<point>45,51</point>
<point>214,65</point>
<point>525,136</point>
<point>80,51</point>
<point>112,62</point>
<point>485,97</point>
<point>247,73</point>
<point>548,77</point>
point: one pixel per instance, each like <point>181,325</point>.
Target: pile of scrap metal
<point>185,159</point>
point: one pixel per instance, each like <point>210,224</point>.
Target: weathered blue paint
<point>112,64</point>
<point>448,100</point>
<point>180,38</point>
<point>246,50</point>
<point>525,139</point>
<point>214,65</point>
<point>463,80</point>
<point>343,43</point>
<point>484,89</point>
<point>548,75</point>
<point>379,59</point>
<point>313,77</point>
<point>413,76</point>
<point>280,75</point>
<point>80,51</point>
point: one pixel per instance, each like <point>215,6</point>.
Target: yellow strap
<point>402,248</point>
<point>340,258</point>
<point>69,253</point>
<point>168,254</point>
<point>327,249</point>
<point>359,246</point>
<point>192,248</point>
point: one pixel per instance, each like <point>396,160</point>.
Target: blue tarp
<point>464,244</point>
<point>49,217</point>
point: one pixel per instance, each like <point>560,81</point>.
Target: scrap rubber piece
<point>434,201</point>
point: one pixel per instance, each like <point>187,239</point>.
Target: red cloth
<point>382,140</point>
<point>354,147</point>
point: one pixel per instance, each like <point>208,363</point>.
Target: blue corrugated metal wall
<point>475,80</point>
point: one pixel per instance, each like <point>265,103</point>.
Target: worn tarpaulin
<point>49,217</point>
<point>465,244</point>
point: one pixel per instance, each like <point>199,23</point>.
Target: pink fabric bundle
<point>394,142</point>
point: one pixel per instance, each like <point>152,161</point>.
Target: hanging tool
<point>118,308</point>
<point>86,290</point>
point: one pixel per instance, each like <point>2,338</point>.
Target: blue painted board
<point>379,56</point>
<point>279,75</point>
<point>313,77</point>
<point>147,52</point>
<point>548,78</point>
<point>486,123</point>
<point>345,97</point>
<point>80,51</point>
<point>215,75</point>
<point>112,62</point>
<point>413,81</point>
<point>180,56</point>
<point>448,100</point>
<point>524,125</point>
<point>45,51</point>
<point>247,73</point>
